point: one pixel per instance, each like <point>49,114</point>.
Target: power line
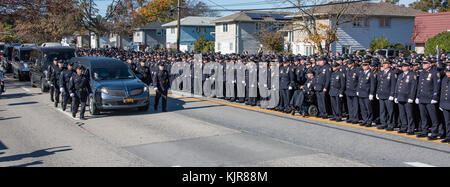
<point>286,8</point>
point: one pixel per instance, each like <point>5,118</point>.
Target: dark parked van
<point>42,57</point>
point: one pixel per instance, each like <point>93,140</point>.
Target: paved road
<point>194,132</point>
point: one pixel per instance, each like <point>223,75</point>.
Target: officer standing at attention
<point>286,85</point>
<point>405,92</point>
<point>427,99</point>
<point>444,104</point>
<point>365,92</point>
<point>387,79</point>
<point>161,84</point>
<point>351,82</point>
<point>79,91</point>
<point>64,81</point>
<point>337,86</point>
<point>322,84</point>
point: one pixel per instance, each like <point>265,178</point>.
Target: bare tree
<point>319,21</point>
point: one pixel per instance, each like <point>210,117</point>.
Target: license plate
<point>129,100</point>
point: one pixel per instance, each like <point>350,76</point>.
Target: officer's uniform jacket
<point>366,83</point>
<point>386,84</point>
<point>286,77</point>
<point>428,86</point>
<point>337,83</point>
<point>322,77</point>
<point>79,85</point>
<point>351,81</point>
<point>406,86</point>
<point>444,101</point>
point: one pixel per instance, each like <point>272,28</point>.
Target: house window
<point>385,22</point>
<point>159,32</point>
<point>231,46</point>
<point>218,46</point>
<point>360,22</point>
<point>172,30</point>
<point>309,50</point>
<point>345,49</point>
<point>225,27</point>
<point>259,26</point>
<point>291,36</point>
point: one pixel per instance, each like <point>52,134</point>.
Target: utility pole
<point>178,26</point>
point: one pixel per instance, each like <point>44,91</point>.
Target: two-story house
<point>360,23</point>
<point>238,32</point>
<point>191,29</point>
<point>151,34</point>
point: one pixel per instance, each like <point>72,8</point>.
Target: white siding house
<point>237,33</point>
<point>367,21</point>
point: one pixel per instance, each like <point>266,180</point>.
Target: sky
<point>228,4</point>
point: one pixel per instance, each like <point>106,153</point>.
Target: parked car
<point>51,44</point>
<point>391,52</point>
<point>42,57</point>
<point>114,85</point>
<point>7,57</point>
<point>21,62</point>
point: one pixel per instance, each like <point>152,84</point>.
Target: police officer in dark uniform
<point>337,87</point>
<point>286,85</point>
<point>144,71</point>
<point>444,104</point>
<point>64,81</point>
<point>405,92</point>
<point>161,83</point>
<point>365,92</point>
<point>427,98</point>
<point>80,90</point>
<point>387,79</point>
<point>322,84</point>
<point>351,82</point>
<point>51,68</point>
<point>54,79</point>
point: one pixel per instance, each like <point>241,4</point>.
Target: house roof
<point>151,25</point>
<point>254,16</point>
<point>363,8</point>
<point>429,25</point>
<point>193,21</point>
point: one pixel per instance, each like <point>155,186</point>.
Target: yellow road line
<point>309,118</point>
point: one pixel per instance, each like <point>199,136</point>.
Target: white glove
<point>340,95</point>
<point>371,97</point>
<point>377,97</point>
<point>52,85</point>
<point>391,98</point>
<point>61,90</point>
<point>433,102</point>
<point>156,89</point>
<point>48,82</point>
<point>72,95</point>
<point>290,88</point>
<point>357,93</point>
<point>410,101</point>
<point>396,100</point>
<point>417,100</point>
<point>441,109</point>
